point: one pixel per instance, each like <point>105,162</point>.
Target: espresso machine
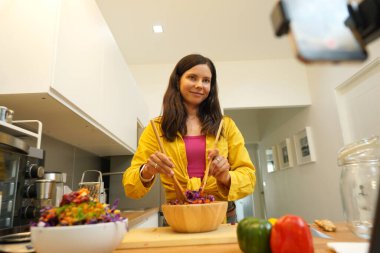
<point>21,166</point>
<point>19,171</point>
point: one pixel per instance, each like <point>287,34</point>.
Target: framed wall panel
<point>358,101</point>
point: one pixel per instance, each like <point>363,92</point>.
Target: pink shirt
<point>195,152</point>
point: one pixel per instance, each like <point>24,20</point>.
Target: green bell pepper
<point>254,235</point>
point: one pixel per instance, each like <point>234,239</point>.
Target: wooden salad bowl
<point>195,218</point>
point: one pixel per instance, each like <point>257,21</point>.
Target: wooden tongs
<point>177,186</point>
<point>209,163</point>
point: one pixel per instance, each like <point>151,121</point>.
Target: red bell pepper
<point>291,234</point>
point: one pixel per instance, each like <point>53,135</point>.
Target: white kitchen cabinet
<point>61,54</point>
<point>27,45</point>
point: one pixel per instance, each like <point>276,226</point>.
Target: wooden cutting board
<point>165,236</point>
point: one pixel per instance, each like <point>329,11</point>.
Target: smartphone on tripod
<point>317,30</point>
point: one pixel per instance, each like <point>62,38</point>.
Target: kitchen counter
<point>343,234</point>
<point>135,217</point>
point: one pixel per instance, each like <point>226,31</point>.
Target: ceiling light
<point>157,29</point>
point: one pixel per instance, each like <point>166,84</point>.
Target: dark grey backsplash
<point>152,199</point>
<point>63,157</point>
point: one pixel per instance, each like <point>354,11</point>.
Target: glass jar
<point>359,183</point>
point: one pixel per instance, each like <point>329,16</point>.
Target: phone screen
<point>319,33</point>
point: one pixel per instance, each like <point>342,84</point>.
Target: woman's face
<point>195,85</point>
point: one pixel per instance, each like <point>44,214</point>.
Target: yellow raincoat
<point>230,145</point>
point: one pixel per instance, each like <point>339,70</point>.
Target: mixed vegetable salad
<point>78,208</point>
<point>196,197</point>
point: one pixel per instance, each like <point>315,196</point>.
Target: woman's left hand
<point>219,168</point>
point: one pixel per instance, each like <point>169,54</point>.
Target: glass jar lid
<point>365,150</point>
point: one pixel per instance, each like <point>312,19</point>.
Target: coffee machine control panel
<point>29,205</point>
<point>34,170</point>
<point>20,167</point>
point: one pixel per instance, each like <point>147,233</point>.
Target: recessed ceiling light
<point>157,29</point>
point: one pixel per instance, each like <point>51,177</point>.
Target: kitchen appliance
<point>5,113</point>
<point>20,166</point>
<point>359,183</point>
<point>96,188</point>
<point>59,180</point>
<point>44,193</point>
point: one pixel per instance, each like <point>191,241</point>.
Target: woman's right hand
<point>158,163</point>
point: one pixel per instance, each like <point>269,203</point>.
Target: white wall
<point>153,81</point>
<point>311,190</point>
<point>262,83</point>
<point>243,84</point>
<point>248,123</point>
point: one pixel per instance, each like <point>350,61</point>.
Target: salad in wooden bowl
<point>203,214</point>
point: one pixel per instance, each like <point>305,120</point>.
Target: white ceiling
<point>223,30</point>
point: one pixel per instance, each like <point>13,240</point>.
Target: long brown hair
<point>174,113</point>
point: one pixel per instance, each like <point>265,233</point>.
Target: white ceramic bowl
<point>93,238</point>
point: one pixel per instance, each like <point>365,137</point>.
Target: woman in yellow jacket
<point>187,128</point>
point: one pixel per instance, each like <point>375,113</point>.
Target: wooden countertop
<point>136,216</point>
<point>343,234</point>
